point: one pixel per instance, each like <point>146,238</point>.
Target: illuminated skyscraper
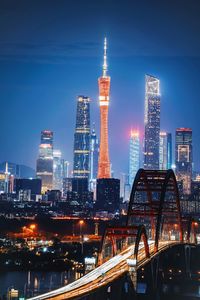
<point>134,155</point>
<point>94,155</point>
<point>152,123</point>
<point>165,158</point>
<point>44,167</point>
<point>81,167</point>
<point>57,170</point>
<point>183,157</point>
<point>65,168</point>
<point>104,98</point>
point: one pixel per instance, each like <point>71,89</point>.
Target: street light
<point>81,223</point>
<point>32,226</point>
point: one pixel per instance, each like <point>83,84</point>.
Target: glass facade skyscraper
<point>183,158</point>
<point>152,123</point>
<point>94,155</point>
<point>165,158</point>
<point>81,168</point>
<point>44,165</point>
<point>57,170</point>
<point>134,155</point>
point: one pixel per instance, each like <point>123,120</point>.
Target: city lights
<point>99,182</point>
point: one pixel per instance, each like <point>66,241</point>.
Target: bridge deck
<point>103,274</point>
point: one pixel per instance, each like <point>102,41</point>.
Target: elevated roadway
<point>104,274</point>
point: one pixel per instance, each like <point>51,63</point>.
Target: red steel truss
<point>153,213</point>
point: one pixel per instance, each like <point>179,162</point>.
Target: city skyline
<point>52,74</point>
<point>100,143</point>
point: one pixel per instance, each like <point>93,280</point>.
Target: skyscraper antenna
<point>105,66</point>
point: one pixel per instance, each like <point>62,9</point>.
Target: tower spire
<point>105,66</point>
<point>104,98</point>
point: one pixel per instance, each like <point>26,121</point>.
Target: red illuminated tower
<point>104,91</point>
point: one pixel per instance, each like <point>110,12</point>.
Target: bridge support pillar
<point>132,271</point>
<point>187,260</point>
<point>154,272</point>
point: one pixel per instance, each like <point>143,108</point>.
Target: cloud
<point>46,52</point>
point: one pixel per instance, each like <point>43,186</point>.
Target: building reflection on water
<point>34,283</point>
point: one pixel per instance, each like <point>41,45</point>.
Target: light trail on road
<point>100,276</point>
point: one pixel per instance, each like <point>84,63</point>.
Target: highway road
<point>100,276</point>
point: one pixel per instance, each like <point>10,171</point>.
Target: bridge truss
<point>153,217</point>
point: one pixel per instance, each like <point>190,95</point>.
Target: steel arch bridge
<point>153,224</point>
<point>153,217</point>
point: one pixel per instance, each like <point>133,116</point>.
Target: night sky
<point>52,51</point>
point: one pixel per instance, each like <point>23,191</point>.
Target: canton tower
<point>104,91</point>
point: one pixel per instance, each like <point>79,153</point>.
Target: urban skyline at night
<point>47,79</point>
<point>136,125</point>
<point>100,143</point>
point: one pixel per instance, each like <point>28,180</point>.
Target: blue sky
<point>51,51</point>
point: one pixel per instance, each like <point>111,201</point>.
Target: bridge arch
<point>141,235</point>
<point>115,235</point>
<point>155,200</point>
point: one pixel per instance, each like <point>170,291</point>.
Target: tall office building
<point>65,168</point>
<point>165,155</point>
<point>57,170</point>
<point>183,157</point>
<point>44,166</point>
<point>134,155</point>
<point>104,98</point>
<point>152,123</point>
<point>94,155</point>
<point>81,167</point>
<point>108,194</point>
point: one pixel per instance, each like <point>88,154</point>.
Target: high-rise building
<point>65,168</point>
<point>67,186</point>
<point>57,170</point>
<point>104,98</point>
<point>134,155</point>
<point>125,187</point>
<point>183,158</point>
<point>81,167</point>
<point>94,155</point>
<point>79,192</point>
<point>108,194</point>
<point>44,167</point>
<point>152,123</point>
<point>165,155</point>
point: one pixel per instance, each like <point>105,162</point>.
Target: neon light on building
<point>104,91</point>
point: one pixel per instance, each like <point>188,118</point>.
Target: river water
<point>33,283</point>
